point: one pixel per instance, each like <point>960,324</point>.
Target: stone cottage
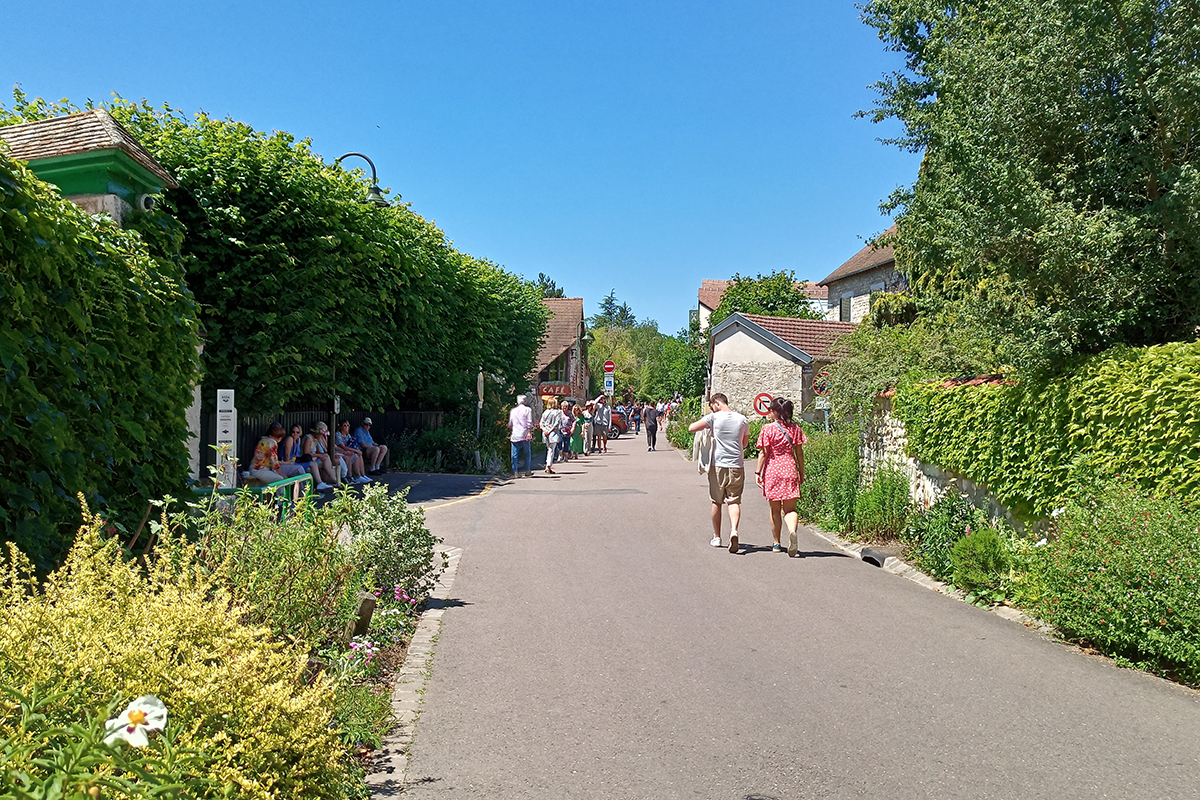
<point>870,270</point>
<point>750,354</point>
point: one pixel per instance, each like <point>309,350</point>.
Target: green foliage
<point>549,287</point>
<point>842,486</point>
<point>292,575</point>
<point>1059,181</point>
<point>892,308</point>
<point>980,563</point>
<point>71,759</point>
<point>243,712</point>
<point>363,714</point>
<point>934,533</point>
<point>1133,412</point>
<point>637,350</point>
<point>613,314</point>
<point>685,363</point>
<point>821,452</point>
<point>98,355</point>
<point>677,433</point>
<point>390,545</point>
<point>882,510</point>
<point>774,295</point>
<point>1123,574</point>
<point>308,292</point>
<point>877,359</point>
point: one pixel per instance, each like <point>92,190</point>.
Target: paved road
<point>599,648</point>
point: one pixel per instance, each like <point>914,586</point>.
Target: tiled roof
<point>78,133</point>
<point>711,291</point>
<point>867,258</point>
<point>561,330</point>
<point>817,337</point>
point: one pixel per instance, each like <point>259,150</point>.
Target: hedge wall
<point>98,356</point>
<point>1133,412</point>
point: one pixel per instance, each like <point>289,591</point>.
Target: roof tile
<point>819,338</point>
<point>85,132</point>
<point>867,258</point>
<point>562,328</point>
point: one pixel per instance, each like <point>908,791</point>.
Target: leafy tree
<point>613,314</point>
<point>774,295</point>
<point>686,361</point>
<point>549,288</point>
<point>1056,203</point>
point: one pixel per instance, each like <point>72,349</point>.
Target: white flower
<point>144,715</point>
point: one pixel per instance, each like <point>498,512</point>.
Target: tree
<point>774,295</point>
<point>549,288</point>
<point>1057,200</point>
<point>613,314</point>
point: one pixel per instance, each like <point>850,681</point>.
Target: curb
<point>905,570</point>
<point>389,764</point>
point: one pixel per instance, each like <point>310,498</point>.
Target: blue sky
<point>639,146</point>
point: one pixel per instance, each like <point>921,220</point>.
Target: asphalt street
<point>598,647</point>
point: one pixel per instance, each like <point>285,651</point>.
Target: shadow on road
<point>444,602</point>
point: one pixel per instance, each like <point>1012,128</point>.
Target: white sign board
<point>823,404</point>
<point>608,384</point>
<point>226,438</point>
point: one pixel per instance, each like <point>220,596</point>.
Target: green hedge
<point>98,356</point>
<point>1128,412</point>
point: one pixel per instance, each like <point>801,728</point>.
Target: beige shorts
<point>725,484</point>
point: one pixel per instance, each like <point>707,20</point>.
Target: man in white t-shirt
<point>726,473</point>
<point>520,420</point>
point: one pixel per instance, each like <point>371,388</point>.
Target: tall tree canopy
<point>1057,202</point>
<point>613,314</point>
<point>773,295</point>
<point>549,287</point>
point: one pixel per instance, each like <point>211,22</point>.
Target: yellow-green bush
<point>102,628</point>
<point>1133,412</point>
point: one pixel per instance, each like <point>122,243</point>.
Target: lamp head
<point>375,197</point>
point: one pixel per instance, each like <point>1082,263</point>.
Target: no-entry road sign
<point>762,404</point>
<point>609,366</point>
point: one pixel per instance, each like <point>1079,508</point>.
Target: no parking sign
<point>762,404</point>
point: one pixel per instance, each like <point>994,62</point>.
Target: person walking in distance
<point>520,421</point>
<point>602,419</point>
<point>551,425</point>
<point>650,418</point>
<point>727,475</point>
<point>780,470</point>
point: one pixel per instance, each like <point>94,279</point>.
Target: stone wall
<point>883,441</point>
<point>859,287</point>
<point>741,381</point>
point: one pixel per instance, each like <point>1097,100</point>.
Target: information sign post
<point>226,439</point>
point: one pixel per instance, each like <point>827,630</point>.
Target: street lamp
<point>374,196</point>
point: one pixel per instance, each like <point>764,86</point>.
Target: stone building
<point>711,292</point>
<point>562,360</point>
<point>751,354</point>
<point>870,270</point>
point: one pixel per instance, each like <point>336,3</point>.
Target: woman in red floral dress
<point>780,470</point>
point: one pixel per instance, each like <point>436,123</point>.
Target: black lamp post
<point>374,196</point>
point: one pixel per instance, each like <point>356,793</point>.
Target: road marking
<point>486,489</point>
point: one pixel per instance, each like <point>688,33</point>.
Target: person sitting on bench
<point>294,461</point>
<point>373,453</point>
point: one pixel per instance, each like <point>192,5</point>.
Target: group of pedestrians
<point>279,455</point>
<point>722,436</point>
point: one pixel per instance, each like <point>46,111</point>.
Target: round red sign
<point>609,366</point>
<point>762,404</point>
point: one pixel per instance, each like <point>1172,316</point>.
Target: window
<point>557,371</point>
<point>844,308</point>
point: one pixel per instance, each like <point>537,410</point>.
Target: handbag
<point>304,458</point>
<point>790,442</point>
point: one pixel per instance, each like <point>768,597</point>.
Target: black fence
<point>384,425</point>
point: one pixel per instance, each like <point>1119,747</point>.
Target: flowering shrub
<point>101,628</point>
<point>1124,575</point>
<point>389,543</point>
<point>934,534</point>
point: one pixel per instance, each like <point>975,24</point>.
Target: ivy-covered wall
<point>97,360</point>
<point>1133,412</point>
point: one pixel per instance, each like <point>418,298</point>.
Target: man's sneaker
<point>716,541</point>
<point>323,487</point>
<point>362,479</point>
<point>733,543</point>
